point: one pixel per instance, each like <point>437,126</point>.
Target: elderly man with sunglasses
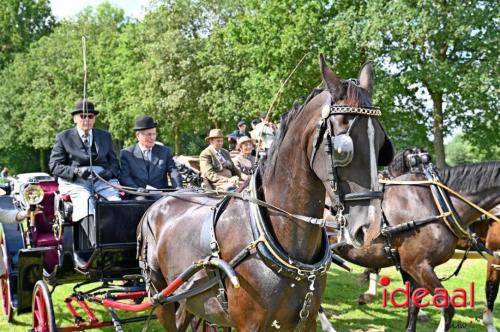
<point>78,155</point>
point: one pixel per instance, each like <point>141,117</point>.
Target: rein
<point>203,192</point>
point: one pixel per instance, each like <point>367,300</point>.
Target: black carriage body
<point>116,244</point>
<point>113,256</point>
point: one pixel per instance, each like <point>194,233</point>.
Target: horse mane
<point>399,164</point>
<point>472,177</point>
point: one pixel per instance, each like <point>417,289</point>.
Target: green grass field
<point>340,304</point>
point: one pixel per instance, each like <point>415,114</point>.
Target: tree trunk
<point>43,161</point>
<point>177,140</point>
<point>437,128</point>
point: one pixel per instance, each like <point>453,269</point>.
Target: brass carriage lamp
<point>33,195</point>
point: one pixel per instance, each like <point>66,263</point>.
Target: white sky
<point>69,8</point>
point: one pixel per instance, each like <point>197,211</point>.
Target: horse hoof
<point>365,298</point>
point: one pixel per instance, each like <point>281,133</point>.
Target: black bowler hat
<point>84,106</point>
<point>144,122</point>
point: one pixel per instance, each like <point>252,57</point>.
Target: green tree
<point>173,34</point>
<point>460,150</point>
<point>445,51</point>
<point>39,92</point>
<point>21,23</point>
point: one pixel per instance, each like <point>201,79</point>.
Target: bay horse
<point>489,232</point>
<point>432,244</point>
<point>331,144</point>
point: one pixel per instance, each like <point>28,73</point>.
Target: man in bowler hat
<point>77,156</point>
<point>146,164</point>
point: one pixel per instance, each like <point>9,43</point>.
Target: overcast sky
<point>69,8</point>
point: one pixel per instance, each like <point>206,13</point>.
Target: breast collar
<point>272,253</point>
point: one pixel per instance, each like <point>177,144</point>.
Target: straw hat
<point>244,139</point>
<point>214,133</point>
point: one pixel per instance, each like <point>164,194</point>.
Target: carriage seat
<point>63,204</point>
<point>43,233</point>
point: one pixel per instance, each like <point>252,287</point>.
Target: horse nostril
<point>359,237</point>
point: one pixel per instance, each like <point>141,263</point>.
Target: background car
<point>20,179</point>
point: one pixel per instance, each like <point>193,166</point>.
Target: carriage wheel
<point>43,311</point>
<point>5,284</point>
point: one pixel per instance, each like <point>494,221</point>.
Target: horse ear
<point>366,77</point>
<point>332,83</point>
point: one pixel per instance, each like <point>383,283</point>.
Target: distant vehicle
<point>24,178</point>
<point>5,185</point>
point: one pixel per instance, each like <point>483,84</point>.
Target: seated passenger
<point>264,133</point>
<point>216,165</point>
<point>70,162</point>
<point>146,164</point>
<point>244,160</point>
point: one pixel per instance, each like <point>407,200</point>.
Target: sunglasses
<point>86,116</point>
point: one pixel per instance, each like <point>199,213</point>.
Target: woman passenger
<point>244,160</point>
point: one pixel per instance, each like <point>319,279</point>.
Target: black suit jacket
<point>69,153</point>
<point>137,173</point>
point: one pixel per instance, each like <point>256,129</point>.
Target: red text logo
<point>440,299</point>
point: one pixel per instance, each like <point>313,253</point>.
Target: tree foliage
<point>195,65</point>
<point>21,23</point>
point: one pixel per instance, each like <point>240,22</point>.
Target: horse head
<point>350,143</point>
<point>407,160</point>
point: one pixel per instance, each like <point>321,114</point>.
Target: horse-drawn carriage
<point>240,233</point>
<point>48,250</point>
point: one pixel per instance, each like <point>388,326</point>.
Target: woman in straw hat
<point>244,160</point>
<point>215,164</point>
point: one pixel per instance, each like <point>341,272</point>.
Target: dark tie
<point>85,140</point>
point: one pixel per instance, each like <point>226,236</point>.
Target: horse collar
<point>271,252</point>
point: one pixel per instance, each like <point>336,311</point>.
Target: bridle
<point>340,149</point>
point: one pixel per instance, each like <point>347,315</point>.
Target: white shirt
<point>82,135</point>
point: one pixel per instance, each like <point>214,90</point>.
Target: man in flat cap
<point>146,164</point>
<point>77,156</point>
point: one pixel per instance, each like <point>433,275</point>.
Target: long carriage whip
<point>85,112</point>
<point>276,95</point>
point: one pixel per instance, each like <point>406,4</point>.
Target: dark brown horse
<point>307,159</point>
<point>433,244</point>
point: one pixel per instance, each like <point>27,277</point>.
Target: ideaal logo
<point>441,298</point>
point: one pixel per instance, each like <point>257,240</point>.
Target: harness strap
<point>364,196</point>
<point>440,184</point>
<point>411,225</point>
<point>389,249</point>
<point>459,267</point>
